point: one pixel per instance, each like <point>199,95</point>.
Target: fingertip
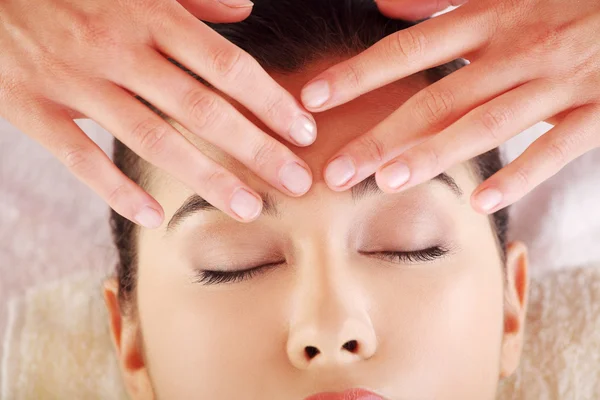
<point>315,94</point>
<point>246,205</point>
<point>339,172</point>
<point>149,217</point>
<point>296,178</point>
<point>303,131</point>
<point>487,200</point>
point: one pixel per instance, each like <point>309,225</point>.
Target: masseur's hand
<point>64,59</point>
<point>531,61</point>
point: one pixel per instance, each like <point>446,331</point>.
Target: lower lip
<point>352,394</point>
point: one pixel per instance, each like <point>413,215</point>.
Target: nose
<point>330,326</point>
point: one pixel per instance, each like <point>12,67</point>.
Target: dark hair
<point>284,36</point>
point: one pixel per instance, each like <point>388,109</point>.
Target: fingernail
<point>316,93</point>
<point>303,131</point>
<point>395,175</point>
<point>237,3</point>
<point>148,217</point>
<point>487,199</point>
<point>340,171</point>
<point>245,204</point>
<point>295,178</point>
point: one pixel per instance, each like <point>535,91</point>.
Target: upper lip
<point>350,394</point>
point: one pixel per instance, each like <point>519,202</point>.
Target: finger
<point>577,134</point>
<point>70,145</point>
<point>237,74</point>
<point>403,53</point>
<point>414,10</point>
<point>480,130</point>
<point>157,142</point>
<point>220,11</point>
<point>424,114</point>
<point>212,118</point>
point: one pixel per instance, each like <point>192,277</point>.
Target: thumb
<point>413,10</point>
<point>219,11</point>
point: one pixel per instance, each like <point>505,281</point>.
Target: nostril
<point>311,352</point>
<point>351,345</point>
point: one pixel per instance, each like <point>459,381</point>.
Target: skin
<point>531,61</point>
<point>443,329</point>
<point>53,70</point>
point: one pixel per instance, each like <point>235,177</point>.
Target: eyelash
<point>208,277</point>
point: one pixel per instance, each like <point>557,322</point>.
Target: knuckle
<point>521,179</point>
<point>432,159</point>
<point>371,147</point>
<point>545,38</point>
<point>353,76</point>
<point>203,109</point>
<point>212,182</point>
<point>151,135</point>
<point>91,29</point>
<point>494,119</point>
<point>263,153</point>
<point>116,195</point>
<point>229,63</point>
<point>273,107</point>
<point>77,158</point>
<point>410,43</point>
<point>215,178</point>
<point>435,106</point>
<point>558,150</point>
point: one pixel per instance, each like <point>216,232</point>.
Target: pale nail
<point>148,218</point>
<point>340,171</point>
<point>488,199</point>
<point>395,175</point>
<point>244,204</point>
<point>237,3</point>
<point>295,178</point>
<point>316,94</point>
<point>303,131</point>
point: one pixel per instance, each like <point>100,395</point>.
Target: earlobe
<point>515,307</point>
<point>126,337</point>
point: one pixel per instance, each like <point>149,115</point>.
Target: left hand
<point>531,61</point>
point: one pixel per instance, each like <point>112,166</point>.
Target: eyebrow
<point>365,188</point>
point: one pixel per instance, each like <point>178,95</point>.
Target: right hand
<point>85,58</point>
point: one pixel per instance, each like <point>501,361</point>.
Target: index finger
<point>402,53</point>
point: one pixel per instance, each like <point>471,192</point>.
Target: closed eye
<point>410,257</point>
<point>213,277</point>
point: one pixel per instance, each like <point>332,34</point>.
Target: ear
<point>127,340</point>
<point>515,307</point>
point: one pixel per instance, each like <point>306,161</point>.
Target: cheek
<point>196,338</point>
<point>447,329</point>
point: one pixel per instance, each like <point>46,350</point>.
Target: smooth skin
<point>69,59</point>
<point>531,61</point>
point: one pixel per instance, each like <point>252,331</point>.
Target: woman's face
<point>400,294</point>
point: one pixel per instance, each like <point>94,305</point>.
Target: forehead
<point>336,127</point>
